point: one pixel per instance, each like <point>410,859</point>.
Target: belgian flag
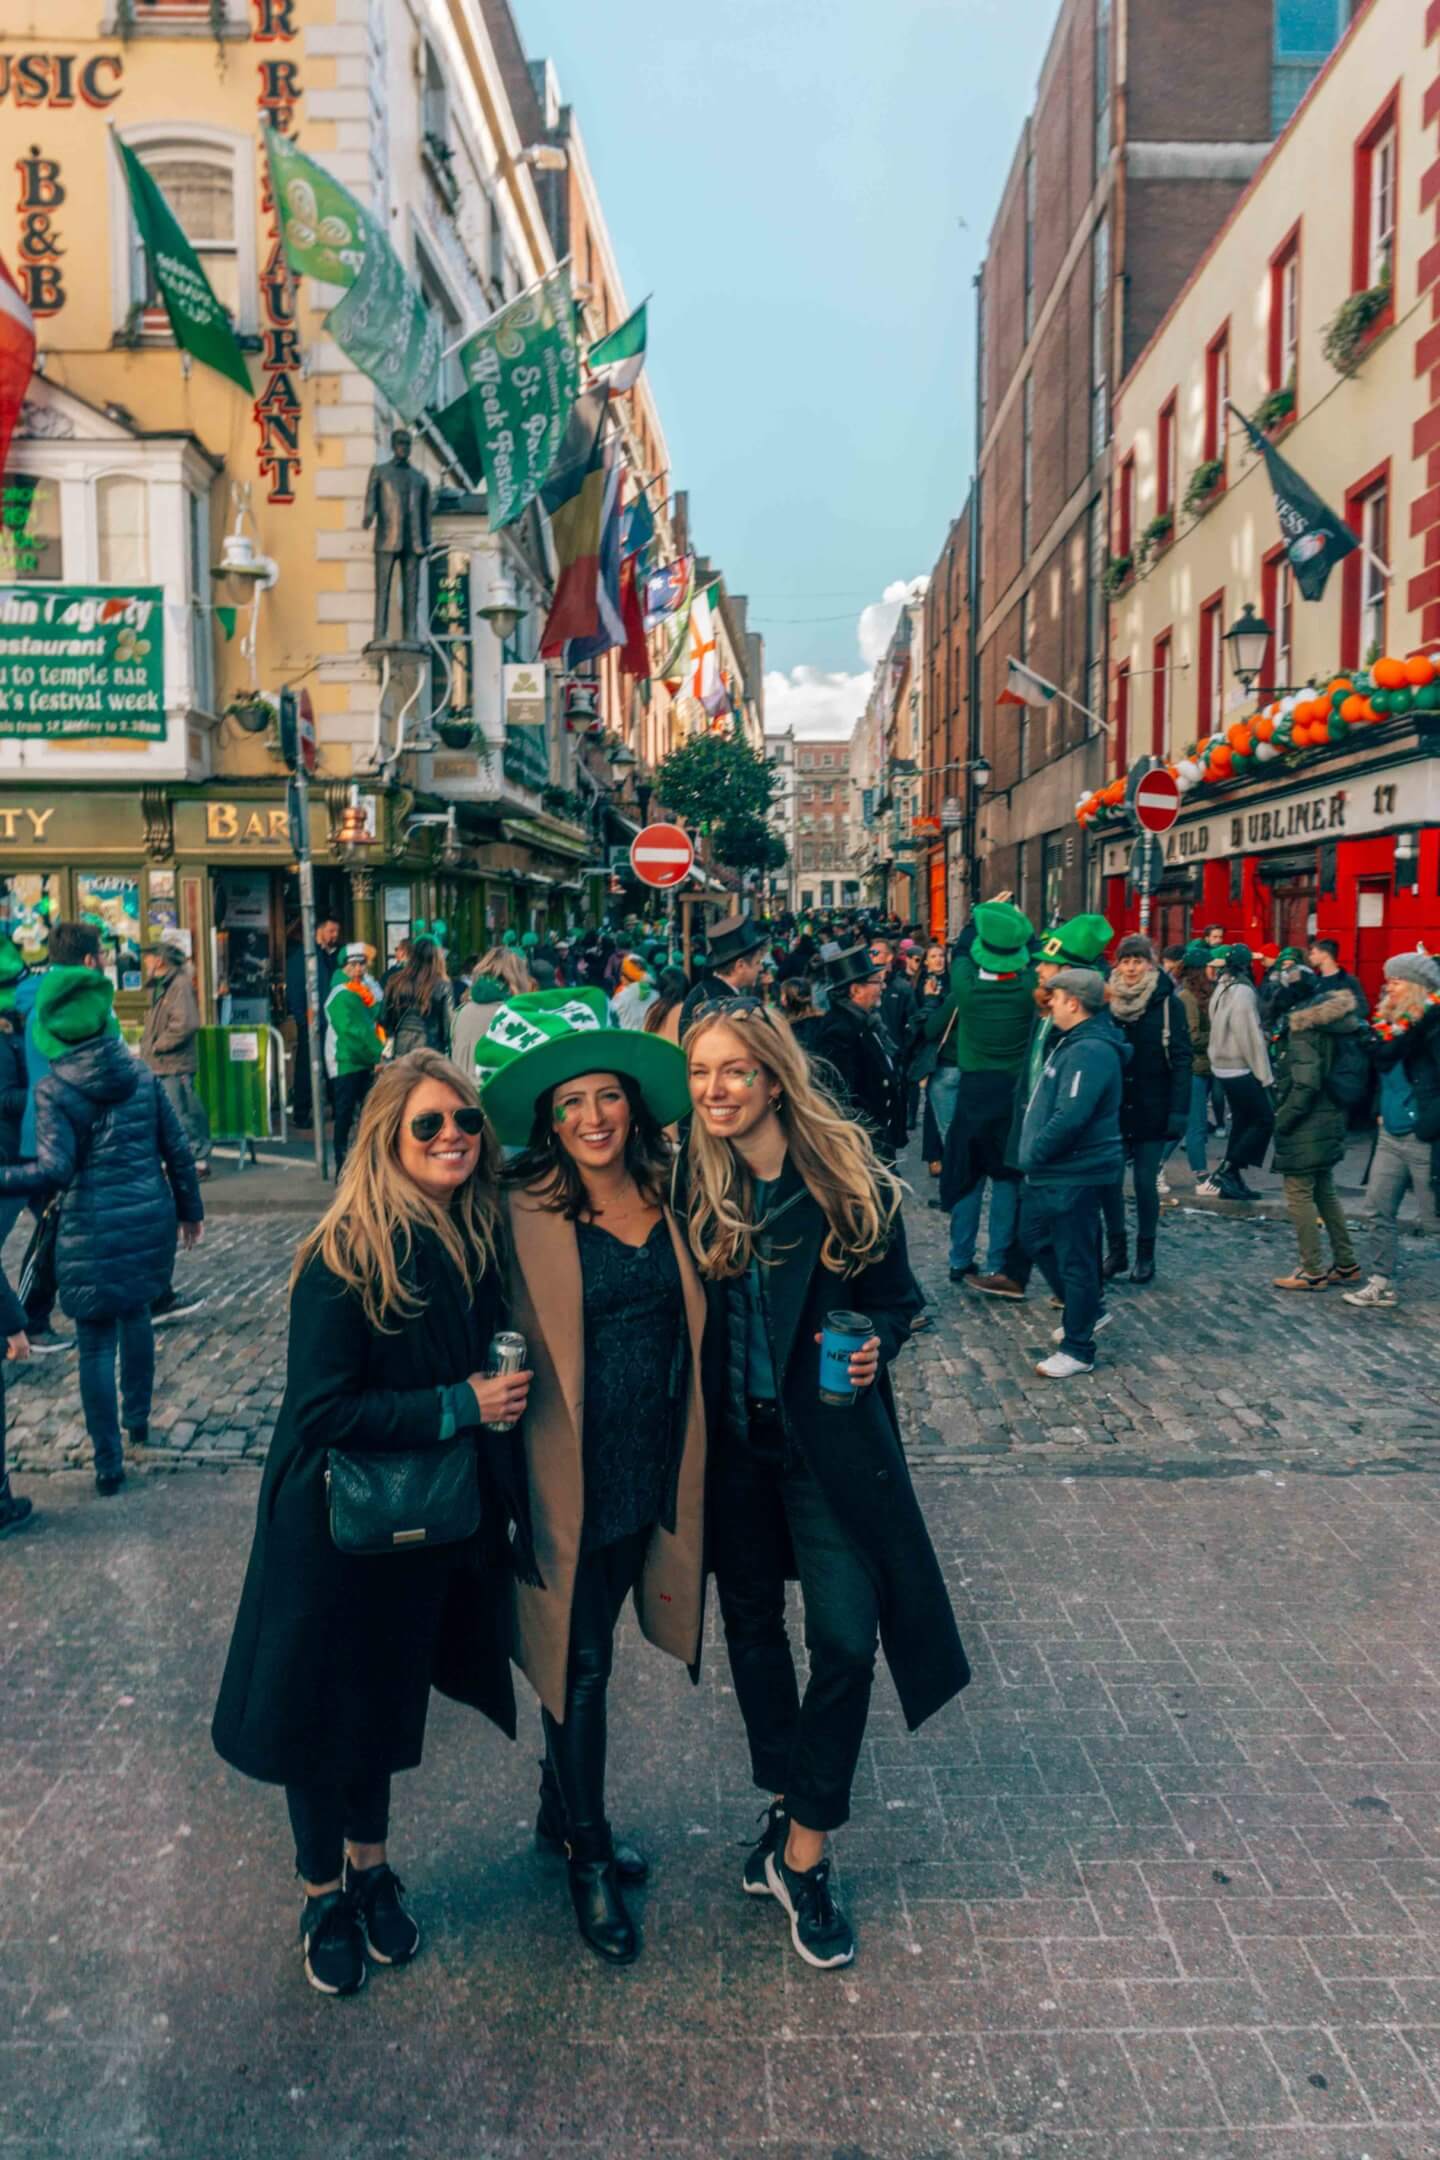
<point>574,497</point>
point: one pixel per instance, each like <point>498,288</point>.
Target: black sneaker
<point>137,1436</point>
<point>376,1894</point>
<point>332,1943</point>
<point>754,1881</point>
<point>109,1482</point>
<point>48,1342</point>
<point>172,1307</point>
<point>819,1930</point>
<point>14,1512</point>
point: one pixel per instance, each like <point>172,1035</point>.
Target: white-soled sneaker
<point>1061,1366</point>
<point>1376,1291</point>
<point>1103,1321</point>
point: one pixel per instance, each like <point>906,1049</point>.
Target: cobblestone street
<point>1165,1883</point>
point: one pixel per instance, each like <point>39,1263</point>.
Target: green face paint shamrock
<point>751,1078</point>
<point>560,1113</point>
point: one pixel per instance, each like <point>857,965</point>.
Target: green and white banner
<point>523,370</point>
<point>381,324</point>
<point>82,660</point>
<point>200,324</point>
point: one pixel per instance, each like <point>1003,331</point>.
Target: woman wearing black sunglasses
<point>394,1297</point>
<point>609,1300</point>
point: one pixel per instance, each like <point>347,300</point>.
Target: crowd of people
<point>672,1193</point>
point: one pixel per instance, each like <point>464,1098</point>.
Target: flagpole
<point>505,305</point>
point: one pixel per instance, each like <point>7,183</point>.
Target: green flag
<point>456,423</point>
<point>617,360</point>
<point>200,324</point>
<point>381,323</point>
<point>523,369</point>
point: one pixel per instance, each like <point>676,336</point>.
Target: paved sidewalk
<point>1165,1886</point>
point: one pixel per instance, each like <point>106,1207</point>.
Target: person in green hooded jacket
<point>356,1042</point>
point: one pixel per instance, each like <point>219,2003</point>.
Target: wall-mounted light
<point>544,157</point>
<point>501,605</point>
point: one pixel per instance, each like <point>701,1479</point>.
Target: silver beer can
<point>506,1355</point>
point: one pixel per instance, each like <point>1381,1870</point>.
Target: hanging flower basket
<point>1353,327</point>
<point>1203,487</point>
<point>1275,411</point>
<point>455,734</point>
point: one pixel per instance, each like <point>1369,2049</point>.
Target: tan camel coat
<point>545,1306</point>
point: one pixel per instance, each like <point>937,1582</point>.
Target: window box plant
<point>1118,573</point>
<point>1157,536</point>
<point>1356,323</point>
<point>1275,411</point>
<point>1204,485</point>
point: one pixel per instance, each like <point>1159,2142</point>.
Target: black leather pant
<point>603,1581</point>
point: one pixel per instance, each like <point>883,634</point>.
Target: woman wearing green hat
<point>605,1292</point>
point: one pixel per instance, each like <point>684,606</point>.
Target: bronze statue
<point>397,504</point>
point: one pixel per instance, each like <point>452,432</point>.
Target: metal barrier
<point>240,1079</point>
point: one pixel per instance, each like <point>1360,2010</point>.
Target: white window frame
<point>1284,620</point>
<point>104,482</point>
<point>1289,317</point>
<point>1380,210</point>
<point>1374,588</point>
<point>194,138</point>
<point>1212,626</point>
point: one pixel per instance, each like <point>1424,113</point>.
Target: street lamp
<point>501,606</point>
<point>980,774</point>
<point>1249,641</point>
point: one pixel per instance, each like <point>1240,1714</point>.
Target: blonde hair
<point>504,964</point>
<point>366,1235</point>
<point>859,1197</point>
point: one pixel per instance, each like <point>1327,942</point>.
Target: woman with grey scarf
<point>1155,1103</point>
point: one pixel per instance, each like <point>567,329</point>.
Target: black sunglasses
<point>469,1119</point>
<point>730,1008</point>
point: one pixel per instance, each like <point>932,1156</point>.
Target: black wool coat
<point>333,1655</point>
<point>866,1078</point>
<point>1155,1104</point>
<point>107,1139</point>
<point>854,1454</point>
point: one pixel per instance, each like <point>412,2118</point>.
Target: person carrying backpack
<point>1317,1050</point>
<point>418,1003</point>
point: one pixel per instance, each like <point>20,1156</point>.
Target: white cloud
<point>815,701</point>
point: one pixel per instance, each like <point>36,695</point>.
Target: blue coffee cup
<point>842,1335</point>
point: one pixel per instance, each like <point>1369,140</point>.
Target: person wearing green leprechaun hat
<point>356,1042</point>
<point>1079,942</point>
<point>605,1291</point>
<point>108,1142</point>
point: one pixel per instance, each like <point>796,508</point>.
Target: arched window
<point>207,178</point>
<point>121,529</point>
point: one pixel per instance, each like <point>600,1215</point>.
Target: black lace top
<point>634,1362</point>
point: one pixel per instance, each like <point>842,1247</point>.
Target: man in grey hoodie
<point>1070,1149</point>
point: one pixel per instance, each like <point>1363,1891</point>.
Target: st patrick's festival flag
<point>616,360</point>
<point>522,369</point>
<point>1024,687</point>
<point>1315,538</point>
<point>380,322</point>
<point>200,324</point>
<point>17,356</point>
<point>574,496</point>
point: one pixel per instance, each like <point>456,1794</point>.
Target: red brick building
<point>824,874</point>
<point>1149,119</point>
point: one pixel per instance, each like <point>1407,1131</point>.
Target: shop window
<point>30,545</point>
<point>1284,338</point>
<point>123,555</point>
<point>1217,392</point>
<point>1210,705</point>
<point>1377,156</point>
<point>1364,605</point>
<point>1166,455</point>
<point>29,902</point>
<point>111,901</point>
<point>1160,689</point>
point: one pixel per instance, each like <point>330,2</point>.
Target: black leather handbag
<point>394,1502</point>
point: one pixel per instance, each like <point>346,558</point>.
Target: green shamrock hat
<point>1078,942</point>
<point>1002,938</point>
<point>542,1037</point>
<point>72,1006</point>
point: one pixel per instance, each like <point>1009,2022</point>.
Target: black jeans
<point>1058,1228</point>
<point>323,1817</point>
<point>350,1092</point>
<point>1146,1157</point>
<point>805,1749</point>
<point>604,1579</point>
<point>1251,1122</point>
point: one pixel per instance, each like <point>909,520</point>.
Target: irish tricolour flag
<point>17,356</point>
<point>1024,687</point>
<point>617,360</point>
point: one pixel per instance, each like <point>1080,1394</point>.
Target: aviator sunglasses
<point>469,1119</point>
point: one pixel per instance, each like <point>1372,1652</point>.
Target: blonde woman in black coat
<point>394,1297</point>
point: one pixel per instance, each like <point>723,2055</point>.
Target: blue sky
<point>789,177</point>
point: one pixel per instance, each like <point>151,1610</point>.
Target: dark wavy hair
<point>552,1177</point>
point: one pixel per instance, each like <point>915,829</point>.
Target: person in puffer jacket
<point>109,1144</point>
<point>1307,1015</point>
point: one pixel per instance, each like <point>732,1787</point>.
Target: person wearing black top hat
<point>736,949</point>
<point>864,1072</point>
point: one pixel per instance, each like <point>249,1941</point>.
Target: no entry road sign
<point>661,855</point>
<point>1157,801</point>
